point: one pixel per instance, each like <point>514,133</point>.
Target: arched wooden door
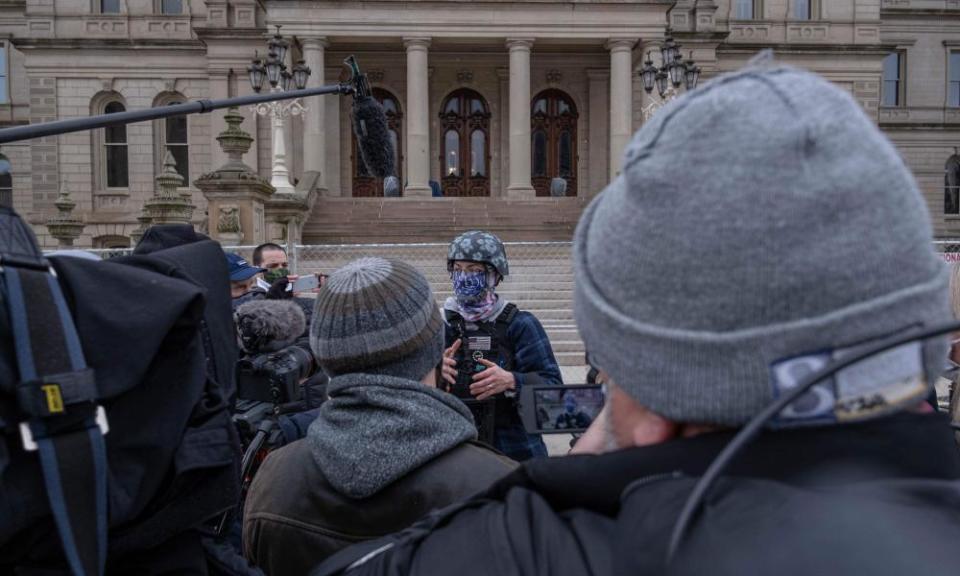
<point>465,144</point>
<point>364,183</point>
<point>553,141</point>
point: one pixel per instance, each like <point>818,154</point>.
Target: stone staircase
<point>540,281</point>
<point>405,220</point>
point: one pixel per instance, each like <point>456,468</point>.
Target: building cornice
<point>106,44</point>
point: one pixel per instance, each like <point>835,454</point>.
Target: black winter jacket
<point>881,497</point>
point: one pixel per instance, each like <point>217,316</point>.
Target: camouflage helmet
<point>479,246</point>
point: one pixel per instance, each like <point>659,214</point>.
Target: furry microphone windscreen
<point>268,325</point>
<point>373,137</point>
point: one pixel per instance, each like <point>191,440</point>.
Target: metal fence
<point>533,257</point>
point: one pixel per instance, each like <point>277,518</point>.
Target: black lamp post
<point>281,79</point>
<point>674,70</point>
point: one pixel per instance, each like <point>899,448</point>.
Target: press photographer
<point>275,391</point>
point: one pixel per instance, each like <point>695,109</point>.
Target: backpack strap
<point>58,396</point>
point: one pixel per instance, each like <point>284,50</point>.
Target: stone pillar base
<point>417,192</point>
<point>521,192</point>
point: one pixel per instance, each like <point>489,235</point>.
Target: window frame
<point>813,11</point>
<point>951,193</point>
<point>756,7</point>
<point>98,105</point>
<point>160,143</point>
<point>553,123</point>
<point>465,122</point>
<point>901,94</point>
<point>950,82</point>
<point>5,92</point>
<point>158,8</point>
<point>97,8</point>
<point>6,192</point>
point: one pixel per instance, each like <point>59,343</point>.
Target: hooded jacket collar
<point>375,429</point>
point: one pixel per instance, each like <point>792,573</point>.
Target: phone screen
<point>305,283</point>
<point>562,409</point>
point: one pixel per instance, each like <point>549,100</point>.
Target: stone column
<point>621,107</point>
<point>314,121</point>
<point>418,118</point>
<point>599,101</point>
<point>520,186</point>
<point>503,138</point>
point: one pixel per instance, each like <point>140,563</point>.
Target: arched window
<point>465,144</point>
<point>6,182</point>
<point>951,186</point>
<point>171,134</point>
<point>116,169</point>
<point>553,130</point>
<point>365,184</point>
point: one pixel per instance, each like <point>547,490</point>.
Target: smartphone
<point>306,283</point>
<point>560,409</point>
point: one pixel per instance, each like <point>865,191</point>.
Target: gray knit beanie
<point>377,316</point>
<point>758,219</point>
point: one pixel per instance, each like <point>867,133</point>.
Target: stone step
<point>519,296</point>
<point>555,314</point>
<point>565,345</point>
<point>570,358</point>
<point>345,220</point>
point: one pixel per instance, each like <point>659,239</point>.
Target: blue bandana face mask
<point>475,293</point>
<point>469,287</point>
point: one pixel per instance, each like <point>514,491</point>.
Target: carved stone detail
<point>65,227</point>
<point>228,219</point>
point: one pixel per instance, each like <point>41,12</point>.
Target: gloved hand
<point>278,290</point>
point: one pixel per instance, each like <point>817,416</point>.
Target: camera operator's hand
<point>491,381</point>
<point>449,364</point>
<point>278,290</point>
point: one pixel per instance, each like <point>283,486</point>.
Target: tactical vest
<point>484,341</point>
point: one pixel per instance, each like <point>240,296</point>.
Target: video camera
<point>269,385</point>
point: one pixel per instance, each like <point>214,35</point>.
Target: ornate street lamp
<point>257,73</point>
<point>669,51</point>
<point>673,73</point>
<point>278,46</point>
<point>274,67</point>
<point>274,70</point>
<point>692,75</point>
<point>300,75</point>
<point>676,71</point>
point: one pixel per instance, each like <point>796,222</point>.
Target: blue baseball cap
<point>240,269</point>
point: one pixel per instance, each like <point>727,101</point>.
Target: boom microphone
<point>268,325</point>
<point>370,127</point>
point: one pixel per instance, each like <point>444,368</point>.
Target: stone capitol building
<point>506,114</point>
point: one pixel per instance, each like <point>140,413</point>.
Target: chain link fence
<point>537,258</point>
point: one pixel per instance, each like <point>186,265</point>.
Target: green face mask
<point>275,274</point>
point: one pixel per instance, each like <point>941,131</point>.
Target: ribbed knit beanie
<point>377,316</point>
<point>760,218</point>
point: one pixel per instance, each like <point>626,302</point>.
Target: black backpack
<point>141,346</point>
